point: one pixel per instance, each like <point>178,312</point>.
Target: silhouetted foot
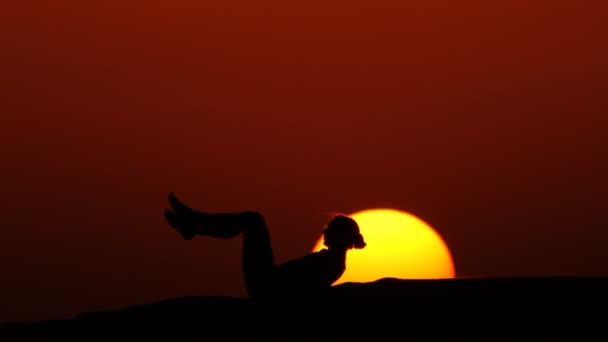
<point>183,210</point>
<point>175,221</point>
<point>187,221</point>
<point>190,222</point>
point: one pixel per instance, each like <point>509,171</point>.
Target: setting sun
<point>399,245</point>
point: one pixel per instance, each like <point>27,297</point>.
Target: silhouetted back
<point>313,272</point>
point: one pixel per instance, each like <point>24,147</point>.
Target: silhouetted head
<point>342,232</point>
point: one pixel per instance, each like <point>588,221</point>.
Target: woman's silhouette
<point>315,271</point>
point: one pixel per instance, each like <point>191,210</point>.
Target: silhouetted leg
<point>189,222</point>
<point>257,256</point>
<point>258,259</point>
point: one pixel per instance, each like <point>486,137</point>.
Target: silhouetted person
<point>315,271</point>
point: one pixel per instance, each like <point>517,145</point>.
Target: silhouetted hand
<point>183,218</point>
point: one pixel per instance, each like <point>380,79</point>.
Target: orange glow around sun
<point>399,245</point>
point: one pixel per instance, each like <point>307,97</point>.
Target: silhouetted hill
<point>387,308</point>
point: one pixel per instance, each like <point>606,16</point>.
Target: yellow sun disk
<point>399,245</point>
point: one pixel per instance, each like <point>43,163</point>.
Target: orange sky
<point>486,119</point>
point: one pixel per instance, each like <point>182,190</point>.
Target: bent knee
<point>254,219</point>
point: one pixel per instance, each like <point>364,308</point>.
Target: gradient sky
<point>485,119</point>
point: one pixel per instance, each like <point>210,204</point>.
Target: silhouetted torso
<point>315,271</point>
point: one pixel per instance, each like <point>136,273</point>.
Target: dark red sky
<point>486,119</point>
